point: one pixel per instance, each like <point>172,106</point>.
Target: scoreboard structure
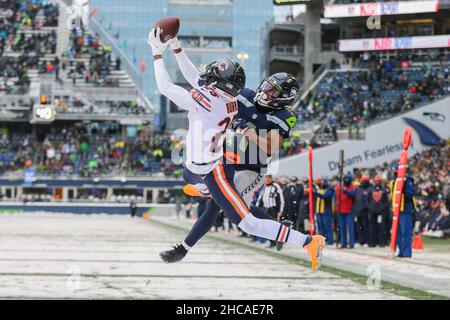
<point>43,113</point>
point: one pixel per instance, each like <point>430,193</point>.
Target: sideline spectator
<point>344,198</point>
<point>361,211</point>
<point>272,200</point>
<point>323,208</point>
<point>378,213</point>
<point>407,209</point>
<point>292,194</point>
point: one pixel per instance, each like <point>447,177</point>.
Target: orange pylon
<point>417,242</point>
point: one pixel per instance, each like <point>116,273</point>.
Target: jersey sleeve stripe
<point>278,121</point>
<point>244,101</point>
<point>203,95</point>
<point>203,106</point>
<point>206,103</point>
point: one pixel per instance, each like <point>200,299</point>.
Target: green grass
<point>387,286</point>
<point>429,241</point>
<point>11,211</point>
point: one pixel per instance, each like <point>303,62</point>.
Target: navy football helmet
<point>279,91</point>
<point>225,75</point>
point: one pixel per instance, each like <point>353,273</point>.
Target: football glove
<point>174,43</point>
<point>154,41</point>
<point>239,125</point>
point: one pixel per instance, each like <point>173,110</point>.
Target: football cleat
<point>193,191</point>
<point>279,245</point>
<point>174,255</point>
<point>315,248</point>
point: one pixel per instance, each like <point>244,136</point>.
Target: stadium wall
<point>84,208</point>
<point>382,143</point>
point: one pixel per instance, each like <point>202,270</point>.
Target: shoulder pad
<point>246,97</point>
<point>286,116</point>
<point>247,93</point>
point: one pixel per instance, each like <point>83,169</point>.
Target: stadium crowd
<point>98,62</point>
<point>23,42</point>
<point>73,151</point>
<point>345,99</point>
<point>375,89</point>
<point>113,108</point>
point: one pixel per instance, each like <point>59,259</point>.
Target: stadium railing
<point>126,63</point>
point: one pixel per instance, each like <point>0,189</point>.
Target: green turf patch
<point>429,241</point>
<point>11,211</point>
<point>387,286</point>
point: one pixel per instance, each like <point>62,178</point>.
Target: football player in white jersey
<point>211,106</point>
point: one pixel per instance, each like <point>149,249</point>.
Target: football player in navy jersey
<point>267,111</point>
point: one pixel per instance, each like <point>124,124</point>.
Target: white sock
<point>271,230</point>
<point>226,225</point>
<point>297,238</point>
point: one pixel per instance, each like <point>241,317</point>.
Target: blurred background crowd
<point>88,152</point>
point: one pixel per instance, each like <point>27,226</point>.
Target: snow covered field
<point>46,255</point>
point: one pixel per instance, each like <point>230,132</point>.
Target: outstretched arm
<point>187,68</point>
<point>176,94</point>
<point>269,144</point>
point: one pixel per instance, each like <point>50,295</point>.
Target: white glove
<point>154,41</point>
<point>174,43</point>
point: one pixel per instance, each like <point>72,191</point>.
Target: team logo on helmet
<point>223,65</point>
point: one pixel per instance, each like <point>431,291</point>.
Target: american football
<point>169,28</point>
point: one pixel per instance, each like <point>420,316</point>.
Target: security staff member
<point>324,209</point>
<point>133,208</point>
<point>292,194</point>
<point>378,213</point>
<point>406,217</point>
<point>361,209</point>
<point>272,200</point>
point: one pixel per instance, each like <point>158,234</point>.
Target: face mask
<point>224,95</point>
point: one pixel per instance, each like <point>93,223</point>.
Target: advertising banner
<point>380,8</point>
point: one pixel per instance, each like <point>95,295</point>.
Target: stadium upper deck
<point>71,67</point>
